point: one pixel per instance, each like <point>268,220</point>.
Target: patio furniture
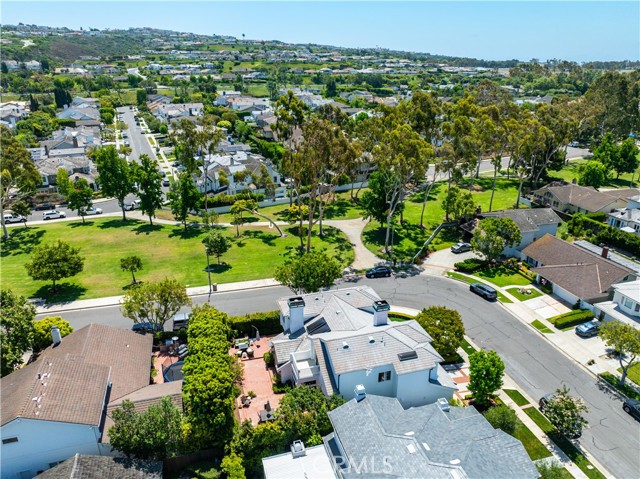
<point>265,416</point>
<point>245,401</point>
<point>249,352</point>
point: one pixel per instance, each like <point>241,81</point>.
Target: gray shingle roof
<point>426,442</point>
<point>528,219</point>
<point>583,197</point>
<point>82,466</point>
<point>360,297</point>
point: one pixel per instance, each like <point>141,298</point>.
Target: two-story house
<point>338,339</point>
<point>627,219</point>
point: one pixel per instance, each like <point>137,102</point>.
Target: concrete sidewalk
<point>115,300</point>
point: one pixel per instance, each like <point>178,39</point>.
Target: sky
<point>502,30</point>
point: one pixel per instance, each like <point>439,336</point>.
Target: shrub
<point>42,329</point>
<point>269,359</point>
<point>228,200</point>
<point>551,470</point>
<point>266,322</point>
<point>502,417</point>
<point>572,318</point>
<point>470,265</point>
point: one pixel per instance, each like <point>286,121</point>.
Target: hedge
<point>228,200</point>
<point>266,322</point>
<point>572,318</point>
<point>597,232</point>
<point>470,265</point>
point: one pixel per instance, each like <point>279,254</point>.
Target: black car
<point>44,206</point>
<point>632,406</point>
<point>588,329</point>
<point>144,328</point>
<point>378,272</point>
<point>487,292</point>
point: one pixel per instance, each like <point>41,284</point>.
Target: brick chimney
<point>605,252</point>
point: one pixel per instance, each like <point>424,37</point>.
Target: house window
<point>555,204</point>
<point>628,303</point>
<point>9,440</point>
<point>385,376</point>
<point>637,308</point>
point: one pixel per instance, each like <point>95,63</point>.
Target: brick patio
<point>160,362</point>
<point>460,376</point>
<point>257,378</point>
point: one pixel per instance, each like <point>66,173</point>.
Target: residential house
<point>225,95</point>
<point>377,437</point>
<point>78,113</point>
<point>242,169</point>
<point>338,339</point>
<point>576,274</point>
<point>624,306</point>
<point>12,65</point>
<point>77,167</point>
<point>56,406</point>
<point>532,223</point>
<point>571,198</point>
<point>85,466</point>
<point>12,112</point>
<point>248,103</point>
<point>33,65</point>
<point>80,102</point>
<point>172,111</point>
<point>82,138</point>
<point>627,219</point>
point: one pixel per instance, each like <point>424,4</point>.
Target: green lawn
<point>531,443</point>
<point>567,447</point>
<point>523,297</point>
<point>467,347</point>
<point>541,327</point>
<point>516,396</point>
<point>570,172</point>
<point>502,276</point>
<point>501,297</point>
<point>633,373</point>
<point>166,251</point>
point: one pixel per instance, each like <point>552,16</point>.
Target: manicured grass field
<point>531,443</point>
<point>633,373</point>
<point>570,172</point>
<point>502,276</point>
<point>523,297</point>
<point>541,327</point>
<point>166,251</point>
<point>516,396</point>
<point>467,347</point>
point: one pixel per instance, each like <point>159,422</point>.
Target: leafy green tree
<point>80,197</point>
<point>154,302</point>
<point>42,331</point>
<point>309,273</point>
<point>63,183</point>
<point>493,235</point>
<point>62,97</point>
<point>445,326</point>
<point>149,180</point>
<point>458,204</point>
<point>54,261</point>
<point>224,124</point>
<point>153,434</point>
<point>502,417</point>
<point>486,370</point>
<point>592,173</point>
<point>551,470</point>
<point>628,157</point>
<point>607,151</point>
<point>238,209</point>
<point>16,329</point>
<point>232,467</point>
<point>18,174</point>
<point>115,175</point>
<point>132,264</point>
<point>184,198</point>
<point>374,201</point>
<point>216,244</point>
<point>331,88</point>
<point>624,339</point>
<point>311,401</point>
<point>565,413</point>
<point>141,97</point>
<point>23,209</point>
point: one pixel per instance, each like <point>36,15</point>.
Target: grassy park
<point>166,251</point>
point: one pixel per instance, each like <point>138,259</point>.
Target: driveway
<point>439,262</point>
<point>546,306</point>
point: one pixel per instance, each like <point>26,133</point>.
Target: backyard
<point>166,251</point>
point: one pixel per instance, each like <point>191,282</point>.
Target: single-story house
<point>339,339</point>
<point>76,114</point>
<point>576,274</point>
<point>377,437</point>
<point>624,306</point>
<point>85,466</point>
<point>572,198</point>
<point>179,110</point>
<point>533,224</point>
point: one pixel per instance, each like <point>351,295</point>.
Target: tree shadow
<point>116,223</point>
<point>189,233</point>
<point>265,237</point>
<point>20,241</point>
<point>146,228</point>
<point>337,209</point>
<point>65,292</point>
<point>129,286</point>
<point>218,268</point>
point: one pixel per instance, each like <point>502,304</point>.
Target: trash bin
<point>214,287</point>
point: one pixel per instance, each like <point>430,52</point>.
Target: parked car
<point>588,329</point>
<point>53,214</point>
<point>146,327</point>
<point>461,247</point>
<point>487,292</point>
<point>44,206</point>
<point>181,321</point>
<point>132,206</point>
<point>93,211</point>
<point>632,406</point>
<point>166,182</point>
<point>378,272</point>
<point>11,218</point>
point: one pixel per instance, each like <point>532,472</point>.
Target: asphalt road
<point>613,437</point>
<point>137,141</point>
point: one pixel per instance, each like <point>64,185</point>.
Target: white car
<point>53,214</point>
<point>93,211</point>
<point>11,218</point>
<point>132,206</point>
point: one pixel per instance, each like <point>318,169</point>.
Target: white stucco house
<point>336,340</point>
<point>627,219</point>
<point>624,306</point>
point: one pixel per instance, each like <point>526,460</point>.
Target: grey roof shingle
<point>426,441</point>
<point>82,466</point>
<point>359,297</point>
<point>528,219</point>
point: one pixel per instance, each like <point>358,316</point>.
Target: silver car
<point>53,214</point>
<point>93,211</point>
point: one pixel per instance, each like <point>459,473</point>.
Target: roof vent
<point>345,345</point>
<point>410,433</point>
<point>411,448</point>
<point>454,461</point>
<point>443,404</point>
<point>360,392</point>
<point>408,355</point>
<point>371,340</point>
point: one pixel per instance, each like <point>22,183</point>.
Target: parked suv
<point>487,292</point>
<point>11,218</point>
<point>53,214</point>
<point>378,272</point>
<point>632,406</point>
<point>181,321</point>
<point>144,328</point>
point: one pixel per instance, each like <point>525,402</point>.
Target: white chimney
<point>443,404</point>
<point>55,335</point>
<point>298,449</point>
<point>360,392</point>
<point>296,313</point>
<point>380,313</point>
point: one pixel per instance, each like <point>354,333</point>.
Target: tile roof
<point>83,466</point>
<point>581,272</point>
<point>426,441</point>
<point>584,197</point>
<point>80,367</point>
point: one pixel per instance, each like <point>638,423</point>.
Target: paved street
<point>613,437</point>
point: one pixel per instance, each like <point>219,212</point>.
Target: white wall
<point>564,294</point>
<point>621,299</point>
<point>43,442</point>
<point>347,382</point>
<point>414,389</point>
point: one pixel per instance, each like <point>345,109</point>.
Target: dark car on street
<point>487,292</point>
<point>632,406</point>
<point>378,272</point>
<point>44,206</point>
<point>146,327</point>
<point>588,329</point>
<point>461,248</point>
